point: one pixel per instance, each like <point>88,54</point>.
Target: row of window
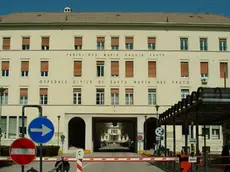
<point>100,96</point>
<point>100,43</point>
<point>11,126</point>
<point>77,96</point>
<point>115,72</point>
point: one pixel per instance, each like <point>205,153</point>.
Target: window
<point>115,96</point>
<point>184,93</point>
<point>215,132</point>
<point>43,96</point>
<point>20,124</point>
<point>129,96</point>
<point>113,131</point>
<point>151,43</point>
<point>100,96</point>
<point>100,43</point>
<point>23,96</point>
<point>152,96</point>
<point>129,69</point>
<point>3,126</point>
<point>184,69</point>
<point>223,69</point>
<point>206,132</point>
<point>100,68</point>
<point>184,43</point>
<point>77,68</point>
<point>77,96</point>
<point>78,43</point>
<point>129,43</point>
<point>204,69</point>
<point>24,68</point>
<point>115,43</point>
<point>5,68</point>
<point>203,44</point>
<point>44,68</point>
<point>12,127</point>
<point>152,69</point>
<point>26,43</point>
<point>45,43</point>
<point>223,44</point>
<point>5,96</point>
<point>115,68</point>
<point>6,44</point>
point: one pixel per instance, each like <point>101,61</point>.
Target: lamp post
<point>145,139</point>
<point>1,94</point>
<point>157,124</point>
<point>58,127</point>
<point>225,75</point>
<point>157,108</point>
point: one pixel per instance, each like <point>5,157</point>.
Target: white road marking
<point>87,165</point>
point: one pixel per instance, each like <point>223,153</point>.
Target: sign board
<point>159,131</point>
<point>192,159</point>
<point>41,130</point>
<point>192,140</point>
<point>22,151</point>
<point>140,136</point>
<point>158,138</point>
<point>79,153</point>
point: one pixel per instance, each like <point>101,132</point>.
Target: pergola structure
<point>206,106</point>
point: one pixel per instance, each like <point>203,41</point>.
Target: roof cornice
<point>139,24</point>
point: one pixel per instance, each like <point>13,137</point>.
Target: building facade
<point>89,65</point>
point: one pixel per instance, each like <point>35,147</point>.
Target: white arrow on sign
<point>44,130</point>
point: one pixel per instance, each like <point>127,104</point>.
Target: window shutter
<point>129,68</point>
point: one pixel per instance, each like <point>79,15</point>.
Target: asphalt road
<point>95,166</point>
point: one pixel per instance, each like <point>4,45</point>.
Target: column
<point>140,130</point>
<point>88,133</point>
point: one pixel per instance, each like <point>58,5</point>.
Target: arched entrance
<point>149,131</point>
<point>77,133</point>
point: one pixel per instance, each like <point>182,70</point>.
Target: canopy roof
<point>208,106</point>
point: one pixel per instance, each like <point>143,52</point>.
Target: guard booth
<point>206,106</point>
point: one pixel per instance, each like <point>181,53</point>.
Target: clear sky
<point>221,7</point>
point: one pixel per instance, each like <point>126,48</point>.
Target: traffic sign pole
<point>23,131</point>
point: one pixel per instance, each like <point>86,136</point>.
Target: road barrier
<point>104,159</point>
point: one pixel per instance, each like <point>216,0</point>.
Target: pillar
<point>88,133</point>
<point>140,130</point>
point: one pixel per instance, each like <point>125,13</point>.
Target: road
<point>95,166</point>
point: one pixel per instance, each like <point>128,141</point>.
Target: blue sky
<point>221,7</point>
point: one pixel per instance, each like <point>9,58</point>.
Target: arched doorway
<point>77,133</point>
<point>149,132</point>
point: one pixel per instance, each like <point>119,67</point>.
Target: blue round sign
<point>41,130</point>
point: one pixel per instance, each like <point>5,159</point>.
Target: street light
<point>157,108</point>
<point>145,138</point>
<point>58,126</point>
<point>157,124</point>
<point>1,94</point>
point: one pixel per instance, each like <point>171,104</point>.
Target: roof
<point>113,18</point>
<point>208,106</point>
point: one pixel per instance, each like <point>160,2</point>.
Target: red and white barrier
<point>104,159</point>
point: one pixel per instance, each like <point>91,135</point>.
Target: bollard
<point>185,165</point>
<point>79,157</point>
<point>32,170</point>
